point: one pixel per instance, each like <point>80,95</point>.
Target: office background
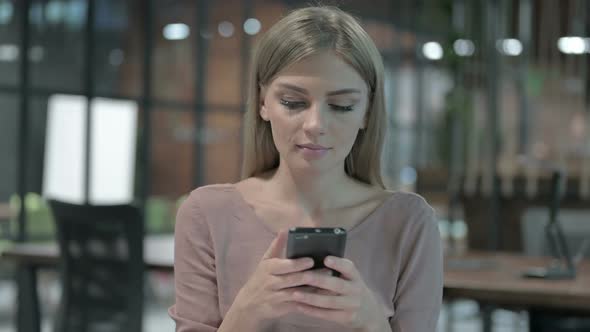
<point>484,98</point>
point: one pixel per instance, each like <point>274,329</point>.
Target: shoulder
<point>412,212</point>
<point>210,196</point>
<point>410,204</point>
<point>418,235</point>
<point>213,189</point>
<point>206,202</point>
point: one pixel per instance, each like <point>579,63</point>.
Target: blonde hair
<point>302,33</point>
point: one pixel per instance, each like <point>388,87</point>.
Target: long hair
<point>302,33</point>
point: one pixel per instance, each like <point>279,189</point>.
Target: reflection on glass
<point>175,53</point>
<point>252,26</point>
<point>57,40</point>
<point>176,31</point>
<point>8,148</point>
<point>6,12</point>
<point>222,146</point>
<point>172,153</point>
<point>9,43</point>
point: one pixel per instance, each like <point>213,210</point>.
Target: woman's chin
<point>311,167</point>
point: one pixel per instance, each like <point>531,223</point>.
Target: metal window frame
<point>147,102</point>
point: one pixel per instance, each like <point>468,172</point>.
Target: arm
<point>238,319</point>
<point>196,308</point>
<point>419,294</point>
<point>264,298</point>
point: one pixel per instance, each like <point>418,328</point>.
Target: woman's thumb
<point>277,246</point>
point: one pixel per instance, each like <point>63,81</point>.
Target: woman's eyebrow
<point>293,87</point>
<point>330,93</point>
<point>343,92</point>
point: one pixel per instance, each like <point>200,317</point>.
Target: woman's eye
<point>340,108</point>
<point>293,104</point>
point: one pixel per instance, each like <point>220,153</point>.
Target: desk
<point>494,279</point>
<point>158,255</point>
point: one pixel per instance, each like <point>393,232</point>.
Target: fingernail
<point>329,261</point>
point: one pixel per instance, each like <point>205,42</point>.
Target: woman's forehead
<point>324,70</point>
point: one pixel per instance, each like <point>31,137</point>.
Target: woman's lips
<point>312,146</point>
<point>313,151</point>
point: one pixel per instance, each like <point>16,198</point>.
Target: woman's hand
<point>345,299</point>
<point>268,294</point>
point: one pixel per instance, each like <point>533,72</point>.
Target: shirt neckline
<point>355,229</point>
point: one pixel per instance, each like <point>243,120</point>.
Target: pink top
<point>219,242</point>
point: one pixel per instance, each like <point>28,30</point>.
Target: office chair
<point>101,266</point>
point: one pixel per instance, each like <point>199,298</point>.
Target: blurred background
<point>118,101</point>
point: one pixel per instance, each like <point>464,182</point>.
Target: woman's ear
<point>262,106</point>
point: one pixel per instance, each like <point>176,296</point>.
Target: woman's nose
<point>315,121</point>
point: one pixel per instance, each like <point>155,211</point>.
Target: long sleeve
<point>418,299</point>
<point>197,305</point>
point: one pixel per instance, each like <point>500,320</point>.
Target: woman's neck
<point>313,194</point>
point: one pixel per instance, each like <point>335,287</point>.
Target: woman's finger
<point>281,266</point>
<point>326,282</point>
<point>335,302</point>
<point>345,266</point>
<point>290,280</point>
<point>338,316</point>
<point>276,247</point>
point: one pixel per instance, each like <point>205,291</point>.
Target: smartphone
<point>317,243</point>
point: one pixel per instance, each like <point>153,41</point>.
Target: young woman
<point>313,139</point>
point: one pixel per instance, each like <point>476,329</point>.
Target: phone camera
<point>337,231</point>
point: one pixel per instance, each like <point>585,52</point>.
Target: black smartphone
<point>317,243</point>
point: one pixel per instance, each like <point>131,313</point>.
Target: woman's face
<point>316,108</point>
